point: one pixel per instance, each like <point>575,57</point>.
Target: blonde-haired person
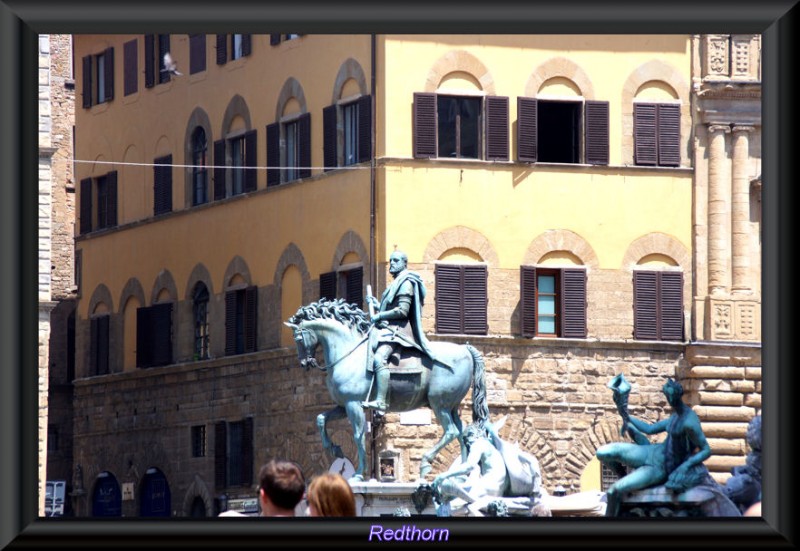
<point>330,495</point>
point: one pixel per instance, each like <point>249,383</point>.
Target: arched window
<point>199,170</point>
<point>200,309</point>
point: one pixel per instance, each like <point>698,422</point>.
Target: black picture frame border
<point>22,20</point>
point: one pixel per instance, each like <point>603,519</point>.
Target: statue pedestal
<point>700,501</point>
<point>375,499</point>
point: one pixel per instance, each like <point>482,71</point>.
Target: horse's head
<point>306,342</point>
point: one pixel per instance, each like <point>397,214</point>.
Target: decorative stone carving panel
<point>716,62</point>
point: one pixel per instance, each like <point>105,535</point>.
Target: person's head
<point>330,495</point>
<point>473,432</point>
<point>673,391</point>
<point>281,487</point>
<point>398,261</point>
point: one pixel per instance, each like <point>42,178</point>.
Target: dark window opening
<point>199,441</point>
<point>240,321</point>
<point>350,126</point>
<point>459,125</point>
<point>200,307</point>
<point>559,131</point>
<point>237,164</point>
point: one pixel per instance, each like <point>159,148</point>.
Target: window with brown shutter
<point>220,454</point>
<point>222,49</point>
<point>596,132</point>
<point>233,453</point>
<point>496,128</point>
<point>163,48</point>
<point>461,299</point>
<point>353,281</point>
<point>526,129</point>
<point>656,134</point>
<point>658,305</point>
<point>329,134</point>
<point>327,286</point>
<point>162,185</point>
<point>108,68</point>
<point>364,128</point>
<point>553,302</point>
<point>304,145</point>
<point>219,170</point>
<point>99,344</point>
<point>241,318</point>
<point>424,125</point>
<point>154,335</point>
<point>86,92</point>
<point>130,62</point>
<point>150,60</point>
<point>273,154</point>
<point>274,39</point>
<point>197,53</point>
<point>86,206</point>
<point>250,150</point>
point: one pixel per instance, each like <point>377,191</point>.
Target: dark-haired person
<point>281,487</point>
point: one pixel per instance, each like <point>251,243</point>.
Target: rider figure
<point>399,323</point>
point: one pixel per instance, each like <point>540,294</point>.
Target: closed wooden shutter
<point>222,49</point>
<point>219,170</point>
<point>220,454</point>
<point>161,320</point>
<point>197,53</point>
<point>671,305</point>
<point>573,303</point>
<point>329,137</point>
<point>364,128</point>
<point>304,135</point>
<point>669,135</point>
<point>274,39</point>
<point>86,93</point>
<point>273,154</point>
<point>644,134</point>
<point>327,286</point>
<point>86,206</point>
<point>103,335</point>
<point>596,128</point>
<point>528,301</point>
<point>645,305</point>
<point>108,89</point>
<point>250,154</point>
<point>230,323</point>
<point>247,44</point>
<point>111,206</point>
<point>424,125</point>
<point>247,451</point>
<point>163,48</point>
<point>355,280</point>
<point>93,346</point>
<point>496,128</point>
<point>144,337</point>
<point>449,314</point>
<point>149,60</point>
<point>130,62</point>
<point>162,185</point>
<point>251,319</point>
<point>475,299</point>
<point>527,113</point>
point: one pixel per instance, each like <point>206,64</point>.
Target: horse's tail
<point>480,409</point>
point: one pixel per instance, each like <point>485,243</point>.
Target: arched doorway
<point>106,497</point>
<point>198,509</point>
<point>155,495</point>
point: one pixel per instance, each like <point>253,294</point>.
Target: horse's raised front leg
<point>450,432</point>
<point>356,415</point>
<point>322,420</point>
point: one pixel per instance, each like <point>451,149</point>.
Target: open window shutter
<point>355,279</point>
<point>222,49</point>
<point>102,344</point>
<point>327,286</point>
<point>130,64</point>
<point>230,323</point>
<point>162,333</point>
<point>111,209</point>
<point>149,60</point>
<point>162,185</point>
<point>645,305</point>
<point>109,74</point>
<point>528,300</point>
<point>669,135</point>
<point>247,44</point>
<point>274,39</point>
<point>250,154</point>
<point>247,451</point>
<point>250,319</point>
<point>93,346</point>
<point>424,125</point>
<point>86,63</point>
<point>220,454</point>
<point>329,137</point>
<point>163,48</point>
<point>475,299</point>
<point>144,351</point>
<point>496,128</point>
<point>596,127</point>
<point>219,170</point>
<point>527,112</point>
<point>449,315</point>
<point>273,154</point>
<point>671,304</point>
<point>86,205</point>
<point>573,303</point>
<point>644,134</point>
<point>304,130</point>
<point>197,53</point>
<point>364,128</point>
